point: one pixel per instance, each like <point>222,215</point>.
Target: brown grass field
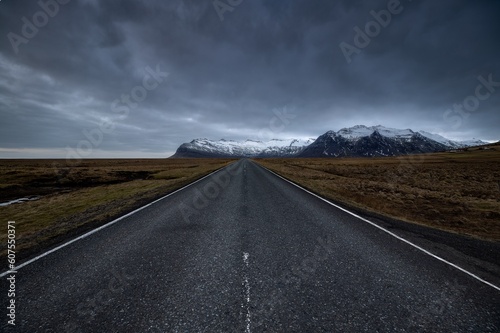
<point>457,192</point>
<point>76,198</point>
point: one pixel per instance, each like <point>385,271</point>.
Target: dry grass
<point>457,192</point>
<point>78,198</point>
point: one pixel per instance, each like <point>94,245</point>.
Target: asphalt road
<point>245,251</point>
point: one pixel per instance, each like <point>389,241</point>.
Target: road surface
<point>245,251</point>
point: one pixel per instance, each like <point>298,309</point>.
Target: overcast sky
<point>90,77</point>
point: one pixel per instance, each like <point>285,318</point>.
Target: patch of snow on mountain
<point>250,147</point>
<point>438,138</point>
<point>394,132</point>
<point>452,143</point>
<point>471,143</point>
<point>355,132</point>
<point>360,131</point>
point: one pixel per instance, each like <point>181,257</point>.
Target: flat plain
<point>76,197</point>
<point>453,191</point>
<point>259,255</point>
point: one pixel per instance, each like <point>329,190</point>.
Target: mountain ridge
<point>356,141</point>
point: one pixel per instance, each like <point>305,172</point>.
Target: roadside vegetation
<point>453,191</point>
<point>74,199</point>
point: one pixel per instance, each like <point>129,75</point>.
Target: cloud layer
<point>78,65</point>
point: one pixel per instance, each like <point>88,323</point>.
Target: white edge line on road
<point>389,232</point>
<point>107,224</point>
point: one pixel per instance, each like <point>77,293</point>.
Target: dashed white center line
<point>246,285</point>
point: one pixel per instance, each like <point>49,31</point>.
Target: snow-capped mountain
<point>247,148</point>
<point>451,143</point>
<point>359,131</point>
<point>357,141</point>
<point>363,141</point>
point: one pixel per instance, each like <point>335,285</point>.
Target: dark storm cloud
<point>228,78</point>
